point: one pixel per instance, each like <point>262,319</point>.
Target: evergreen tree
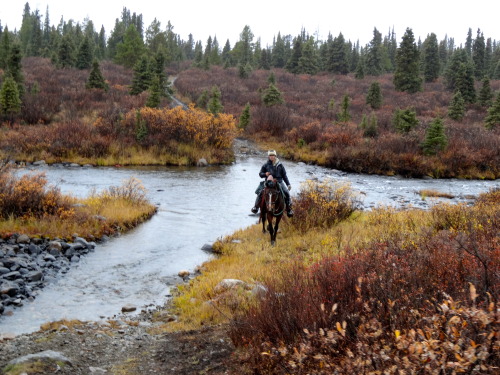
<point>226,54</point>
<point>198,55</point>
<point>407,74</point>
<point>155,93</point>
<point>215,57</point>
<point>271,78</point>
<point>485,98</point>
<point>14,68</point>
<point>338,60</point>
<point>456,110</point>
<point>10,101</point>
<point>344,115</point>
<point>373,62</point>
<point>278,53</point>
<point>244,71</point>
<point>214,104</point>
<point>5,45</point>
<point>66,52</point>
<point>492,120</point>
<point>431,58</point>
<point>360,69</point>
<point>435,138</point>
<point>374,96</point>
<point>85,56</point>
<point>245,117</point>
<point>203,99</point>
<point>26,29</point>
<point>465,82</point>
<point>308,61</point>
<point>468,43</point>
<point>101,44</point>
<point>131,49</point>
<point>478,55</point>
<point>96,79</point>
<point>272,96</point>
<point>292,64</point>
<point>142,78</point>
<point>159,72</point>
<point>405,120</point>
<point>265,59</point>
<point>371,129</point>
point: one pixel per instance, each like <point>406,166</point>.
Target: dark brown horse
<point>272,207</point>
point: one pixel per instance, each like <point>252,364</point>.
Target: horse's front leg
<point>275,231</point>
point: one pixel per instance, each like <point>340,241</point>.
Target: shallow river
<point>196,206</point>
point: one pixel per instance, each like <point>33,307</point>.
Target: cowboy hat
<point>271,152</point>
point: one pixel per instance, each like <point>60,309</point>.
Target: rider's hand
<point>267,174</point>
<point>289,187</point>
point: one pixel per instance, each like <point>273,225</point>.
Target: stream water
<point>196,206</point>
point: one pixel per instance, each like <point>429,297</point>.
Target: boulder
<point>184,273</point>
<point>202,162</point>
<point>4,270</point>
<point>208,247</point>
<point>49,355</point>
<point>34,276</point>
<point>9,289</point>
<point>129,308</point>
<point>23,238</point>
<point>39,163</point>
<point>54,245</point>
<point>228,284</point>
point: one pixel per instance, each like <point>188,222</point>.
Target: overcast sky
<point>226,18</point>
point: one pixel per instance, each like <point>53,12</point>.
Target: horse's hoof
<point>273,243</point>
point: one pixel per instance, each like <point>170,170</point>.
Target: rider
<point>274,168</point>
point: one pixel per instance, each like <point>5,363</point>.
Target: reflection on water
<point>196,206</point>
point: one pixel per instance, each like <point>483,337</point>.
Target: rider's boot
<point>289,211</point>
<point>255,208</point>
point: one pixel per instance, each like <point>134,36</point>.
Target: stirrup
<point>254,210</point>
<point>289,213</point>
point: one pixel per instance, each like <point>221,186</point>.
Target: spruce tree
<point>374,96</point>
<point>278,59</point>
<point>456,110</point>
<point>271,78</point>
<point>308,61</point>
<point>214,104</point>
<point>360,69</point>
<point>338,59</point>
<point>5,45</point>
<point>371,129</point>
<point>485,98</point>
<point>203,99</point>
<point>142,78</point>
<point>292,64</point>
<point>66,52</point>
<point>435,138</point>
<point>431,58</point>
<point>478,55</point>
<point>84,56</point>
<point>130,50</point>
<point>344,115</point>
<point>14,68</point>
<point>373,62</point>
<point>405,120</point>
<point>407,75</point>
<point>155,94</point>
<point>464,82</point>
<point>492,120</point>
<point>245,117</point>
<point>10,101</point>
<point>96,79</point>
<point>272,96</point>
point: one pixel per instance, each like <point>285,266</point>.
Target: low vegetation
<point>384,290</point>
<point>30,206</point>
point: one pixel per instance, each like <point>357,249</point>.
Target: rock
<point>4,270</point>
<point>129,308</point>
<point>82,241</point>
<point>54,245</point>
<point>202,162</point>
<point>9,289</point>
<point>47,355</point>
<point>34,276</point>
<point>97,370</point>
<point>228,284</point>
<point>23,238</point>
<point>75,259</point>
<point>208,247</point>
<point>49,258</point>
<point>12,275</point>
<point>39,163</point>
<point>7,336</point>
<point>74,165</point>
<point>259,291</point>
<point>34,249</point>
<point>184,273</point>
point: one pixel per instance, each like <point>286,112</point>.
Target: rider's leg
<point>288,201</point>
<point>256,206</point>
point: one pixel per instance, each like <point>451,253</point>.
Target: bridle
<point>272,203</point>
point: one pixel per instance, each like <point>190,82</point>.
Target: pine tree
<point>10,101</point>
<point>272,96</point>
<point>155,94</point>
<point>85,55</point>
<point>492,120</point>
<point>214,104</point>
<point>360,69</point>
<point>485,98</point>
<point>468,43</point>
<point>431,58</point>
<point>131,49</point>
<point>435,138</point>
<point>158,70</point>
<point>278,59</point>
<point>292,64</point>
<point>456,110</point>
<point>344,115</point>
<point>407,75</point>
<point>478,55</point>
<point>371,130</point>
<point>405,120</point>
<point>338,62</point>
<point>245,117</point>
<point>271,78</point>
<point>374,96</point>
<point>226,54</point>
<point>373,63</point>
<point>203,99</point>
<point>142,78</point>
<point>465,82</point>
<point>5,45</point>
<point>308,61</point>
<point>96,79</point>
<point>14,68</point>
<point>65,54</point>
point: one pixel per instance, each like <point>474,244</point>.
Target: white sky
<point>226,18</point>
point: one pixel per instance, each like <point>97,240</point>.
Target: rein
<point>277,192</point>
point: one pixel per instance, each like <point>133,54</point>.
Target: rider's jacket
<point>277,171</point>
